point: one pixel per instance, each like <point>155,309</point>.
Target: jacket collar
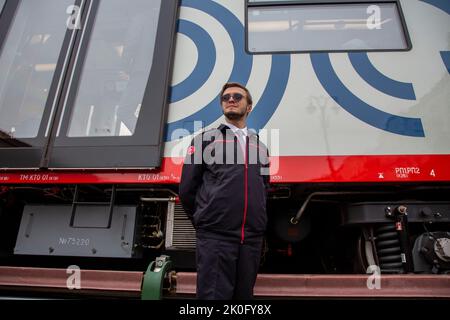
<point>250,132</point>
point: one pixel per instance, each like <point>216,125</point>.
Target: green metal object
<point>152,286</point>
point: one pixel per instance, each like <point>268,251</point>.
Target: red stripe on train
<point>285,169</point>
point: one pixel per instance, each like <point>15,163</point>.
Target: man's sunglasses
<point>236,97</point>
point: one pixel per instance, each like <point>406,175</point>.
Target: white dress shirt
<point>240,133</point>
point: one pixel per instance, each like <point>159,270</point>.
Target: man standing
<point>223,191</point>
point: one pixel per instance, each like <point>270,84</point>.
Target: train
<point>99,100</point>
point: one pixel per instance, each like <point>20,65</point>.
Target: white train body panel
<point>320,104</point>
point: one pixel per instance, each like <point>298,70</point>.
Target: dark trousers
<point>227,270</point>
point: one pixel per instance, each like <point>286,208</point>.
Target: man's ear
<point>249,108</point>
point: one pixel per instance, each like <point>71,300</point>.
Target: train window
<point>116,69</point>
<point>28,61</point>
<point>84,84</point>
<point>115,96</point>
<point>303,27</point>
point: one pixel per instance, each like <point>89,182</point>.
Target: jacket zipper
<point>245,190</point>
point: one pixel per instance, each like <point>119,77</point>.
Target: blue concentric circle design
<point>241,71</point>
<point>363,111</point>
<point>364,67</point>
<point>444,5</point>
<point>205,63</point>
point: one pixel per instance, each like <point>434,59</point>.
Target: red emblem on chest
<point>191,150</point>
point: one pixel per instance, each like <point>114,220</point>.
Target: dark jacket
<point>223,192</point>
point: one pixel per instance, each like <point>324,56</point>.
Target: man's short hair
<point>236,84</point>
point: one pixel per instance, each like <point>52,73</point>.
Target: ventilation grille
<point>180,233</point>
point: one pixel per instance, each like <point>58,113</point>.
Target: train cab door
<point>33,37</point>
<point>107,73</point>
